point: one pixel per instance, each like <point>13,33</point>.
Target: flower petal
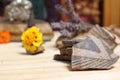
<point>32,36</point>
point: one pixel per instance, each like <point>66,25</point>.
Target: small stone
<point>39,50</point>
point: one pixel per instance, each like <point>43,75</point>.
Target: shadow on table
<point>70,69</point>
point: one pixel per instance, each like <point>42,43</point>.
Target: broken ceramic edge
<point>65,54</point>
<point>71,42</point>
<point>60,57</point>
<point>104,35</point>
<point>66,49</point>
<point>100,57</point>
<point>39,50</point>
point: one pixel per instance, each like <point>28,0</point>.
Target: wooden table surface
<point>16,65</point>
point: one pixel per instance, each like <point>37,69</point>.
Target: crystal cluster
<point>18,10</point>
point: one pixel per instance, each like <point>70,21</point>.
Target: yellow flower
<point>32,38</point>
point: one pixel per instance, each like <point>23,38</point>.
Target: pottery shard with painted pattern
<point>91,53</point>
<point>66,50</point>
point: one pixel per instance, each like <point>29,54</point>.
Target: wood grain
<point>111,12</point>
<point>16,65</point>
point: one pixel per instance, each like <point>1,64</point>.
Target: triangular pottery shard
<point>91,53</point>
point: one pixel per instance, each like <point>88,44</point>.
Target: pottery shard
<point>92,53</point>
<point>62,57</point>
<point>65,54</point>
<point>66,49</point>
<point>104,35</point>
<point>70,43</point>
<point>115,30</point>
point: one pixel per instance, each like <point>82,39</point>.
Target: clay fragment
<point>92,53</point>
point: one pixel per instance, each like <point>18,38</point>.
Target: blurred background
<point>103,12</point>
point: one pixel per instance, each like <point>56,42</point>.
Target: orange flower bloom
<point>5,36</point>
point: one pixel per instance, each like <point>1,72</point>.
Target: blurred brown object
<point>111,13</point>
<point>88,10</point>
<point>17,28</point>
<point>46,29</point>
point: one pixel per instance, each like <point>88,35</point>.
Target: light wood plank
<point>15,65</point>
